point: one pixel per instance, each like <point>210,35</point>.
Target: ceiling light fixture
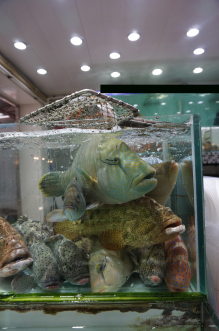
<point>114,56</point>
<point>85,68</point>
<point>4,116</point>
<point>76,41</point>
<point>157,72</point>
<point>115,74</point>
<point>192,32</point>
<point>179,112</point>
<point>197,70</point>
<point>188,111</point>
<point>198,51</point>
<point>20,45</point>
<point>163,103</point>
<point>133,36</point>
<point>190,102</point>
<point>42,71</point>
<point>200,101</point>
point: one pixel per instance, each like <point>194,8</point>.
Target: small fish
<point>135,224</point>
<point>178,273</point>
<point>107,170</point>
<point>14,255</point>
<point>44,271</point>
<point>72,261</point>
<point>166,175</point>
<point>108,270</point>
<point>151,264</point>
<point>74,205</point>
<point>187,179</point>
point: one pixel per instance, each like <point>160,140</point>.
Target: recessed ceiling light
<point>155,113</point>
<point>4,116</point>
<point>192,32</point>
<point>135,105</point>
<point>76,41</point>
<point>200,101</point>
<point>198,51</point>
<point>157,72</point>
<point>190,102</point>
<point>42,71</point>
<point>188,111</point>
<point>217,101</point>
<point>179,112</point>
<point>20,45</point>
<point>114,55</point>
<point>134,36</point>
<point>115,74</point>
<point>197,70</point>
<point>163,103</point>
<point>85,68</point>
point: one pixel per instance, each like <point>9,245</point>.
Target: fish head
<point>108,270</point>
<point>73,263</point>
<point>121,173</point>
<point>45,269</point>
<point>74,202</point>
<point>167,225</point>
<point>14,255</point>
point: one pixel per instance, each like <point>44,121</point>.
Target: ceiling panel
<point>47,26</point>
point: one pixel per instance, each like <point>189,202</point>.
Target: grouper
<point>107,170</point>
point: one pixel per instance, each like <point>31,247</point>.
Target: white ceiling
<point>47,26</point>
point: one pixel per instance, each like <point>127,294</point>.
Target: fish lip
<point>52,286</point>
<point>141,177</point>
<point>76,280</point>
<point>15,267</point>
<point>14,255</point>
<point>70,207</point>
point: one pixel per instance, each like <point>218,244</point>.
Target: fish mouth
<point>171,229</point>
<point>52,286</point>
<point>15,262</point>
<point>142,179</point>
<point>82,280</point>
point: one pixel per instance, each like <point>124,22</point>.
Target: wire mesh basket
<point>86,109</point>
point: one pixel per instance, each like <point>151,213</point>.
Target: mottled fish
<point>14,255</point>
<point>151,264</point>
<point>135,224</point>
<point>108,270</point>
<point>74,205</point>
<point>178,273</point>
<point>166,175</point>
<point>107,170</point>
<point>44,271</point>
<point>72,261</point>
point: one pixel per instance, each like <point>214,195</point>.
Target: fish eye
<point>78,197</point>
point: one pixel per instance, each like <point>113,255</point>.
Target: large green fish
<point>107,170</point>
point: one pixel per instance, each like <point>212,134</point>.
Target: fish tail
<point>50,184</point>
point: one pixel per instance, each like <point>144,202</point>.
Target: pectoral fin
<point>87,181</point>
<point>23,283</point>
<point>94,205</point>
<point>112,240</point>
<point>56,215</point>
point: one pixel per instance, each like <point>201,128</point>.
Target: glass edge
<point>199,201</point>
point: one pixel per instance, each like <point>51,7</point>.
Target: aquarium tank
<point>101,212</point>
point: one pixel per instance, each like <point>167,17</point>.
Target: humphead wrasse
<point>135,224</point>
<point>108,270</point>
<point>107,170</point>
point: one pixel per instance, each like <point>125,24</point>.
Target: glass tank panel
<point>102,211</point>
